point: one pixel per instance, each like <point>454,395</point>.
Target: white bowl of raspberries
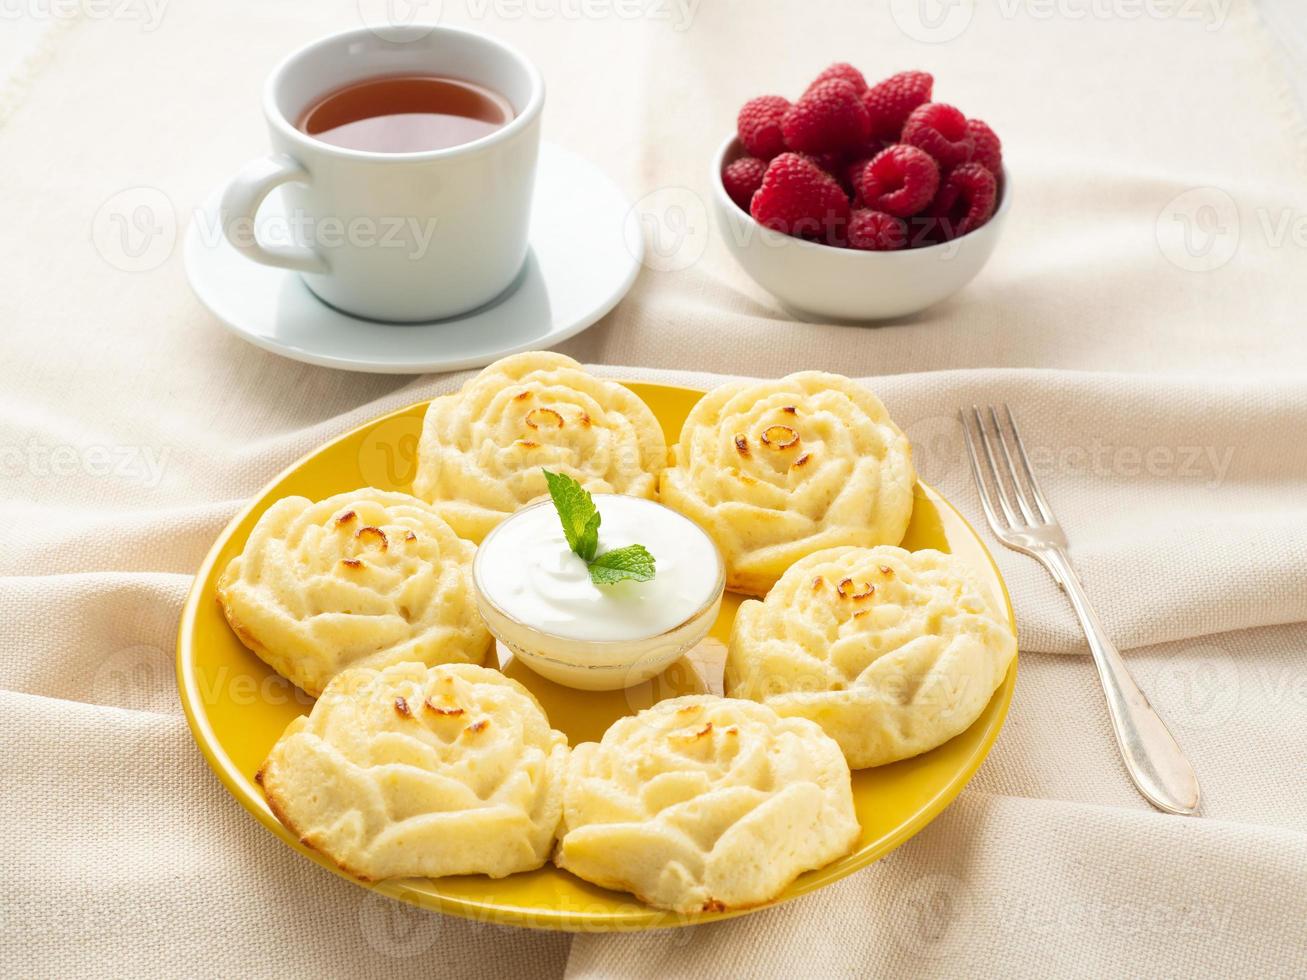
<point>860,202</point>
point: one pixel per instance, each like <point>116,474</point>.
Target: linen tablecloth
<point>1144,314</point>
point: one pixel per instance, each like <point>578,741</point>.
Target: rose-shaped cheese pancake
<point>364,579</point>
<point>417,771</point>
<point>775,470</point>
<point>705,804</point>
<point>482,450</point>
<point>891,652</point>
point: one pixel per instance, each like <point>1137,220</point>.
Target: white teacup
<point>405,237</point>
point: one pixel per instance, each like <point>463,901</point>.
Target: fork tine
<point>986,502</point>
<point>1045,511</point>
<point>1018,490</point>
<point>1004,502</point>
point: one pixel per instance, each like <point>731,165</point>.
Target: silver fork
<point>1024,522</point>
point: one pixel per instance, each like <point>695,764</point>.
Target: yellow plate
<point>237,707</point>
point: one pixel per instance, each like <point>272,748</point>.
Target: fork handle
<point>1152,757</point>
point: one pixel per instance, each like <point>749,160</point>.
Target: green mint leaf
<point>577,512</point>
<point>590,536</point>
<point>631,562</point>
<point>580,519</point>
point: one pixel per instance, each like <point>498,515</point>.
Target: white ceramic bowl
<point>593,665</point>
<point>820,282</point>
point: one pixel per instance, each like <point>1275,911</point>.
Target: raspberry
<point>889,102</point>
<point>844,70</point>
<point>869,149</point>
<point>741,178</point>
<point>941,131</point>
<point>830,116</point>
<point>759,126</point>
<point>799,198</point>
<point>835,164</point>
<point>876,231</point>
<point>859,158</point>
<point>831,162</point>
<point>900,181</point>
<point>989,151</point>
<point>853,172</point>
<point>965,201</point>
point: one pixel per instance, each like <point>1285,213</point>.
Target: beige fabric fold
<point>1161,380</point>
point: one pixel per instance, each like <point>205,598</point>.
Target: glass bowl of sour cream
<point>536,596</point>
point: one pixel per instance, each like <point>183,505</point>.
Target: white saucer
<point>579,265</point>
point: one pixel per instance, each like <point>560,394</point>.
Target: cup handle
<point>240,205</point>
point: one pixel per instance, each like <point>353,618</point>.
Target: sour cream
<point>526,569</point>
